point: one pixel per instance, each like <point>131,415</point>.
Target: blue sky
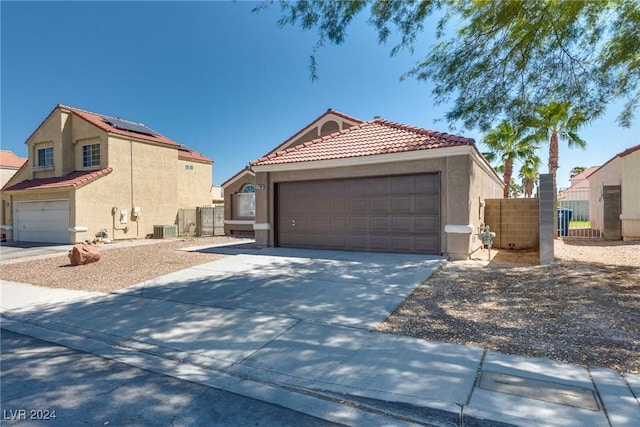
<point>215,76</point>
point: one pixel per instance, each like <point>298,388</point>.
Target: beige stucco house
<point>88,172</point>
<point>621,170</point>
<point>374,186</point>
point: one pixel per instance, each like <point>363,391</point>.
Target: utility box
<point>164,231</point>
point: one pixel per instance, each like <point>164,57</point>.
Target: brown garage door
<point>378,214</point>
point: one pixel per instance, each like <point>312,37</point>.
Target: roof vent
<point>376,117</point>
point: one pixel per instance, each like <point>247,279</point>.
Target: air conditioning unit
<point>164,231</point>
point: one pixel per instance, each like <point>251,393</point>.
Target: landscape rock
<point>83,254</point>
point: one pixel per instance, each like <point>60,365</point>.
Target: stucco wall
<point>630,187</point>
<point>193,186</point>
<point>484,184</point>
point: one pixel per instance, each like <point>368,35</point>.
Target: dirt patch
<point>121,265</point>
<point>583,309</point>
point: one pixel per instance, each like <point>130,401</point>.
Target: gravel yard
<point>583,309</point>
<point>121,264</point>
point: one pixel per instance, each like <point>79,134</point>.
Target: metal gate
<point>574,214</point>
<point>210,221</point>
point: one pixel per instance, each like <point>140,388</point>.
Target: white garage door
<point>42,221</point>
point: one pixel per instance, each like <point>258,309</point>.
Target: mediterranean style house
<point>347,184</point>
<point>88,173</point>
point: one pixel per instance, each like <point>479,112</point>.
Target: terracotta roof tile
<point>99,121</point>
<point>187,153</point>
<point>371,138</point>
<point>326,113</point>
<point>74,179</point>
<point>9,160</point>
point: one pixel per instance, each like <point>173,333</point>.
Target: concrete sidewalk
<point>296,328</point>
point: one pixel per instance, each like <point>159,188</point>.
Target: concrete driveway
<point>14,250</point>
<point>352,289</point>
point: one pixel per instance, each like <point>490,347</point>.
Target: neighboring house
<point>374,186</point>
<point>9,165</point>
<point>217,195</point>
<point>239,190</point>
<point>88,172</point>
<point>623,171</point>
<point>577,197</point>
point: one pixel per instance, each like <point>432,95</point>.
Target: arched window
<point>247,201</point>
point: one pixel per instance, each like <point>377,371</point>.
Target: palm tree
<point>576,171</point>
<point>529,174</point>
<point>507,145</point>
<point>557,121</point>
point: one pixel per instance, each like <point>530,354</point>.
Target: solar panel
<point>131,126</point>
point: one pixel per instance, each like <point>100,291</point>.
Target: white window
<point>188,167</point>
<point>247,201</point>
<point>90,155</point>
<point>45,157</point>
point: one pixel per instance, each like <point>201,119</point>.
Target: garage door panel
<point>359,204</point>
<point>339,205</point>
<point>380,186</point>
<point>403,224</point>
<point>339,224</point>
<point>380,224</point>
<point>427,244</point>
<point>403,184</point>
<point>339,187</point>
<point>358,186</point>
<point>402,203</point>
<point>428,204</point>
<point>426,185</point>
<point>359,242</point>
<point>380,204</point>
<point>384,214</point>
<point>380,243</point>
<point>427,224</point>
<point>359,224</point>
<point>402,243</point>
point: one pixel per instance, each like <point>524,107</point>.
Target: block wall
<point>515,222</point>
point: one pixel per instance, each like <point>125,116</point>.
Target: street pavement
<point>296,328</point>
<point>47,384</point>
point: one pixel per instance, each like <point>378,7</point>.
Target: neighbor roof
<point>9,160</point>
<point>370,138</point>
<point>185,152</point>
<point>74,179</point>
<point>100,121</point>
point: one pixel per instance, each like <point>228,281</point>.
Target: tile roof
<point>9,160</point>
<point>370,138</point>
<point>74,179</point>
<point>98,120</point>
<point>185,152</point>
<point>299,133</point>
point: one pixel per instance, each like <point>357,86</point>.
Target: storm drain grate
<point>562,394</point>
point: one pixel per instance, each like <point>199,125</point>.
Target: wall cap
<point>459,229</point>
